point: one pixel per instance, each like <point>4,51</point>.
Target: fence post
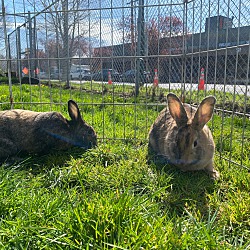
<point>18,51</point>
<point>31,51</point>
<point>65,61</point>
<point>7,46</point>
<point>140,47</point>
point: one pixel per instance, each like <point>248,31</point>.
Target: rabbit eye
<point>90,132</point>
<point>195,143</point>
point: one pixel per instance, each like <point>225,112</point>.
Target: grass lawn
<point>111,197</point>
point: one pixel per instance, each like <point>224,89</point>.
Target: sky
<point>106,14</point>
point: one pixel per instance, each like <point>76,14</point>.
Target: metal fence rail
<point>138,43</point>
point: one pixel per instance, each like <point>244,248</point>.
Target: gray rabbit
<point>180,135</point>
<point>40,132</point>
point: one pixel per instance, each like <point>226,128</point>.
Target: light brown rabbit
<point>180,135</point>
<point>40,132</point>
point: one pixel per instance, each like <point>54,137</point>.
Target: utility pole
<point>132,33</point>
<point>31,49</point>
<point>66,62</point>
<point>35,48</point>
<point>18,45</point>
<point>140,52</point>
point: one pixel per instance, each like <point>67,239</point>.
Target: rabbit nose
<point>91,144</point>
<point>181,162</point>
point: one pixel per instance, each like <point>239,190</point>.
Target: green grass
<point>111,197</point>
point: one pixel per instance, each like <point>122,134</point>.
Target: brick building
<point>221,50</point>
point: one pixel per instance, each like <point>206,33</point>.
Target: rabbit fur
<point>180,135</point>
<point>39,132</point>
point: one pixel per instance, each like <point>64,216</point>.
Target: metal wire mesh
<point>71,42</point>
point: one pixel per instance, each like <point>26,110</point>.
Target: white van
<point>80,74</point>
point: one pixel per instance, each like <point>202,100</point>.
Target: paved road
<point>237,89</point>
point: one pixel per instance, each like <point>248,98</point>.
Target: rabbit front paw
<point>215,175</point>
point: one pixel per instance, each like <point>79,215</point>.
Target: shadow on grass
<point>123,166</point>
<point>36,163</point>
<point>187,190</point>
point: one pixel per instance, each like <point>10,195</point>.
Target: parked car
<point>43,75</point>
<point>56,75</point>
<point>103,75</point>
<point>80,74</point>
<point>130,76</point>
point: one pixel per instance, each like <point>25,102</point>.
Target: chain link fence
<point>142,48</point>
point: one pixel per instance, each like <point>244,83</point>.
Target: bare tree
<point>54,50</point>
<point>1,28</point>
<point>3,11</point>
<point>67,22</point>
<point>164,34</point>
<point>4,67</point>
<point>2,42</point>
<point>156,29</point>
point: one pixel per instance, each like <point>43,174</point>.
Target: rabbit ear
<point>204,112</point>
<point>74,111</point>
<point>177,110</point>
